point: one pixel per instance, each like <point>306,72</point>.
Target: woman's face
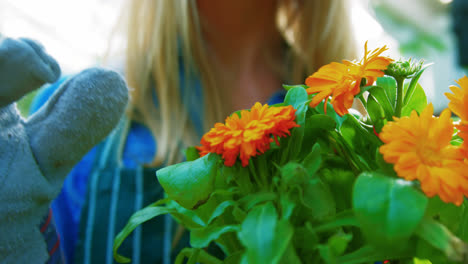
<point>235,16</point>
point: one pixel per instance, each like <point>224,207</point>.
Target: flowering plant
<point>311,181</point>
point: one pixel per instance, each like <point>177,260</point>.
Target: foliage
<point>324,194</point>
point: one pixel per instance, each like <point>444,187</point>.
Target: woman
<point>189,63</point>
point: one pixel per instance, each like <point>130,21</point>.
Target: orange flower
<point>333,80</point>
<point>420,148</point>
<point>342,81</point>
<point>372,65</point>
<point>459,99</point>
<point>459,105</point>
<point>248,134</point>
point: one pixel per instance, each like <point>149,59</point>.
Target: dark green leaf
<point>388,209</point>
<point>190,183</point>
<point>305,238</point>
<point>293,173</point>
<point>318,198</point>
<point>234,258</point>
<point>290,256</point>
<point>321,121</point>
<point>313,160</point>
<point>341,183</point>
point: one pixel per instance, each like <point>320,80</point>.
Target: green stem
<point>363,101</point>
<point>399,102</point>
<point>254,173</point>
<point>262,169</point>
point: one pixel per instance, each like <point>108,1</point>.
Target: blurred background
<point>77,33</point>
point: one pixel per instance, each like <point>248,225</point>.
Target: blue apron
<point>114,193</point>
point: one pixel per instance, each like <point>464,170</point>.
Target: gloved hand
<point>36,154</point>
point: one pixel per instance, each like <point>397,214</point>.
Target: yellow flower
<point>249,134</point>
<point>371,65</point>
<point>342,81</point>
<point>419,147</point>
<point>459,105</point>
<point>333,80</point>
<point>459,99</point>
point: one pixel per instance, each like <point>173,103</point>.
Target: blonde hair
<point>159,33</point>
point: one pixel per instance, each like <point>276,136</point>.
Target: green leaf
<point>417,102</point>
<point>376,113</point>
<point>293,173</point>
<point>409,91</point>
<point>313,160</point>
<point>290,256</point>
<point>135,220</point>
<point>287,207</point>
<point>202,237</point>
<point>462,232</point>
<point>358,137</point>
<point>339,242</point>
<point>390,86</point>
<point>388,209</point>
<point>239,214</point>
<point>368,254</point>
<point>438,236</point>
<point>298,98</point>
<point>187,218</point>
<point>191,153</point>
<point>379,94</point>
<point>289,87</point>
<point>330,112</point>
<point>386,168</point>
<point>190,183</point>
<point>201,256</point>
<point>264,237</point>
<point>292,145</point>
<point>319,199</point>
<point>345,218</point>
<point>341,183</point>
<point>220,210</point>
<point>448,214</point>
<point>234,258</point>
<point>305,238</point>
<point>249,201</point>
<point>321,121</point>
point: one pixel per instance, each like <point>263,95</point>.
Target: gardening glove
<point>36,154</point>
